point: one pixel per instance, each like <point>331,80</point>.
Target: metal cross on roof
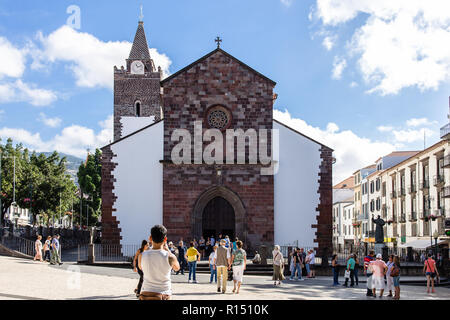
<point>218,40</point>
<point>141,16</point>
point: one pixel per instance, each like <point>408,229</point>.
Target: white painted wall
<point>132,124</point>
<point>296,185</point>
<point>138,185</point>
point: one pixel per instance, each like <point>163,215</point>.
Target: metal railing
<point>413,216</point>
<point>403,217</point>
<point>402,191</point>
<point>445,130</point>
<point>115,252</point>
<point>424,184</point>
<point>446,161</point>
<point>446,192</point>
<point>18,244</point>
<point>438,179</point>
<point>412,188</point>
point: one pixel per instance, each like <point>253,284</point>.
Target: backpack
<point>395,271</point>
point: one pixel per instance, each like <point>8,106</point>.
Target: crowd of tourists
<point>156,259</point>
<point>50,251</point>
<point>381,275</point>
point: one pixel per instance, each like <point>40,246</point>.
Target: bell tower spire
<point>137,89</point>
<point>139,50</point>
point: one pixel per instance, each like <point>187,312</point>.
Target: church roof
<point>139,50</point>
<point>315,141</point>
<point>133,133</point>
<point>148,126</point>
<point>210,54</point>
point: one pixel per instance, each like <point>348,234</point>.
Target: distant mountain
<point>72,164</point>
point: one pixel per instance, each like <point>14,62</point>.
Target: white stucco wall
<point>296,185</point>
<point>138,184</point>
<point>132,124</point>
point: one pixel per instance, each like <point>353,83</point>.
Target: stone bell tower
<point>136,89</point>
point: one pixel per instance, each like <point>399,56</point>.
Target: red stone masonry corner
<point>110,226</point>
<point>324,225</point>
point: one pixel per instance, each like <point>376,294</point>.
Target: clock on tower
<point>137,67</point>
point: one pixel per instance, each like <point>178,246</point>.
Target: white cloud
<point>287,3</point>
<point>12,60</point>
<point>73,140</point>
<point>20,91</point>
<point>328,42</point>
<point>353,84</point>
<point>13,65</point>
<point>415,122</point>
<point>385,128</point>
<point>410,135</point>
<point>50,122</point>
<point>90,59</point>
<point>351,151</point>
<point>401,43</point>
<point>339,65</point>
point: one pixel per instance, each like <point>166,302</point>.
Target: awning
<point>419,244</point>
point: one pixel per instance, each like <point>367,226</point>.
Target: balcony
<point>446,161</point>
<point>424,184</point>
<point>445,131</point>
<point>412,188</point>
<point>393,194</point>
<point>438,180</point>
<point>446,192</point>
<point>413,216</point>
<point>402,192</point>
<point>402,218</point>
<point>425,213</point>
<point>441,212</point>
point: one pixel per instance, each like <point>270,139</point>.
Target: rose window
<point>218,118</point>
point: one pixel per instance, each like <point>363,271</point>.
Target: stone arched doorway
<point>218,218</point>
<point>215,196</point>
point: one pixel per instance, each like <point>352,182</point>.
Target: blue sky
<point>325,55</point>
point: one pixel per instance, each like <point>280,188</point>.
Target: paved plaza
<point>26,279</point>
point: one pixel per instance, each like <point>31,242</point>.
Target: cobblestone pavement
<point>25,279</point>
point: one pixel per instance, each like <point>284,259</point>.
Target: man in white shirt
<point>222,261</point>
<point>156,264</point>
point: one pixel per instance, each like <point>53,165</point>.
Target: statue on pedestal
<point>379,233</point>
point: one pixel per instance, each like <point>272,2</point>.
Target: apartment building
<point>360,220</point>
<point>416,197</point>
<point>374,194</point>
<point>343,234</point>
<point>343,200</point>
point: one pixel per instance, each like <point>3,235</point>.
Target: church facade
<point>142,185</point>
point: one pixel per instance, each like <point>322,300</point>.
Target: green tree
<point>53,190</point>
<point>12,157</point>
<point>42,184</point>
<point>89,178</point>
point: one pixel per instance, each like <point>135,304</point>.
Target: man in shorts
<point>157,264</point>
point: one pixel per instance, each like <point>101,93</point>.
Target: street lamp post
<point>435,236</point>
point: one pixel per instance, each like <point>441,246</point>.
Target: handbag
<point>433,274</point>
<point>395,271</point>
<point>347,274</point>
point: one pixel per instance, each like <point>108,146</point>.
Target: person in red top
<point>367,260</point>
<point>430,270</point>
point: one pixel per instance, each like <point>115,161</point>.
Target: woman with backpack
<point>335,268</point>
<point>395,275</point>
<point>239,262</point>
<point>47,247</point>
<point>389,279</point>
<point>430,270</point>
<point>144,247</point>
<point>278,264</point>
